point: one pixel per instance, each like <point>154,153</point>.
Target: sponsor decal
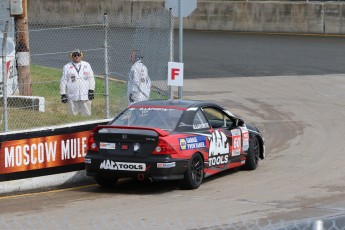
<point>43,152</point>
<point>122,166</point>
<point>87,160</point>
<point>150,139</point>
<point>219,149</point>
<point>136,147</point>
<point>245,138</point>
<point>183,144</point>
<point>155,109</point>
<point>105,145</point>
<point>201,126</point>
<point>236,142</point>
<point>166,165</point>
<point>192,142</point>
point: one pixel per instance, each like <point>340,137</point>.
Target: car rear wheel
<point>253,155</point>
<point>107,182</point>
<point>194,174</point>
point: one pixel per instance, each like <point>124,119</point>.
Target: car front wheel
<point>253,155</point>
<point>194,174</point>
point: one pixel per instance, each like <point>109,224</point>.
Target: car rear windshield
<point>163,118</point>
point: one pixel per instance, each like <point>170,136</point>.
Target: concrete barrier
<point>299,17</point>
<point>44,182</point>
<point>249,16</point>
<point>28,102</point>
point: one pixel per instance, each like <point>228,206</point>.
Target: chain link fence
<point>110,222</point>
<point>106,44</point>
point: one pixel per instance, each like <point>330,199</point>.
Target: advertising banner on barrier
<point>43,152</point>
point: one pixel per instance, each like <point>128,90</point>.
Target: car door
<point>226,139</point>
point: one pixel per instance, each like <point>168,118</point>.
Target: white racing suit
<point>77,79</point>
<point>139,83</point>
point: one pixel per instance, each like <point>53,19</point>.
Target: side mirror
<point>239,122</point>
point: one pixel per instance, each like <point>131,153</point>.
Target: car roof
<point>175,103</point>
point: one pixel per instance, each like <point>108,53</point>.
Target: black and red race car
<point>172,140</point>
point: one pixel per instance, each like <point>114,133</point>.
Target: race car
<point>172,140</point>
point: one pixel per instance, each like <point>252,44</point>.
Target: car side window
<point>217,118</point>
<point>200,121</point>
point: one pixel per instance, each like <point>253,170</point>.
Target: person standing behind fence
<point>139,83</point>
<point>77,85</point>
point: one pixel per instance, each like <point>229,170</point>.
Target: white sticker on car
<point>245,138</point>
<point>106,145</point>
<point>87,160</point>
<point>166,165</point>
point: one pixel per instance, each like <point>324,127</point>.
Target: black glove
<point>64,98</point>
<point>91,95</point>
<point>131,98</point>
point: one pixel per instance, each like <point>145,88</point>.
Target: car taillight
<point>163,147</point>
<point>91,144</point>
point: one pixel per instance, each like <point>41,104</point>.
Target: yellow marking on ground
<point>46,192</point>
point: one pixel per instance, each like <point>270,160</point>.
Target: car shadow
<point>145,187</point>
<point>132,186</point>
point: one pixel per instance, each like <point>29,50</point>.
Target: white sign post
<point>175,74</point>
<point>180,8</point>
<point>187,7</point>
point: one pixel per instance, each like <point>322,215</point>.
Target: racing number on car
<point>236,142</point>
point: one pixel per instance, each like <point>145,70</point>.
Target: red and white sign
<point>236,142</point>
<point>175,73</point>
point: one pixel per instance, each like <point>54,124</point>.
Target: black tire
<point>107,182</point>
<point>253,155</point>
<point>194,174</point>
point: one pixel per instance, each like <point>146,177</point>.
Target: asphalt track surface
<point>210,54</point>
<point>301,115</point>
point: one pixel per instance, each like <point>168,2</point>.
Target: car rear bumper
<point>155,168</point>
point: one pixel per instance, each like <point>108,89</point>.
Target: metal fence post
<point>180,88</point>
<point>4,77</point>
<point>318,225</point>
<point>106,65</point>
<point>171,58</point>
